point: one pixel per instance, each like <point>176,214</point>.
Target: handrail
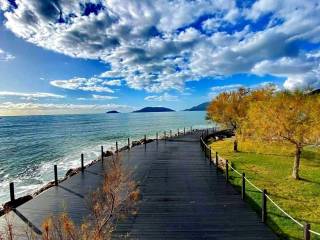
<point>252,184</point>
<point>314,232</point>
<point>260,190</point>
<point>235,170</point>
<point>284,212</point>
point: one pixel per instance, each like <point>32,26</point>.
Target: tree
<point>286,117</point>
<point>229,109</point>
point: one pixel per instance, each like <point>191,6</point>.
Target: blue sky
<point>86,56</point>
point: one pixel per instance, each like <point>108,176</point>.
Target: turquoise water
<point>31,145</point>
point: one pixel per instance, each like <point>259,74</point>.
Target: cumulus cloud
<point>85,84</point>
<point>155,46</point>
<point>5,56</point>
<point>10,108</point>
<point>30,96</point>
<point>166,97</point>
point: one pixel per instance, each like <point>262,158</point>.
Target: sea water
<point>31,145</point>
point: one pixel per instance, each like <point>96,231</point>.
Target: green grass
<point>269,167</point>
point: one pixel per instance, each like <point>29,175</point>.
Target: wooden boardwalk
<point>183,197</point>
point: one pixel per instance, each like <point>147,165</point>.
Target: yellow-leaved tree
<point>229,109</point>
<point>285,117</point>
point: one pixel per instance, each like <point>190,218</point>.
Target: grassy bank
<point>269,167</point>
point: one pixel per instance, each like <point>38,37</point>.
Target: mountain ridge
<point>200,107</point>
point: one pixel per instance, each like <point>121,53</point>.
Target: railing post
<point>264,206</point>
<point>217,160</point>
<point>157,137</point>
<point>82,162</point>
<point>191,129</point>
<point>205,152</point>
<point>102,157</point>
<point>129,144</point>
<point>178,132</point>
<point>55,175</point>
<point>243,189</point>
<point>12,197</point>
<point>117,149</point>
<point>306,231</point>
<point>210,157</point>
<point>145,142</point>
<point>184,131</point>
<point>165,136</point>
<point>170,133</point>
<point>227,171</point>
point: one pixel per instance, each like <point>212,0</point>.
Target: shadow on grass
<point>266,154</point>
<point>309,181</point>
<point>311,155</point>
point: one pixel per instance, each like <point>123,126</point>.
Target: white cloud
<point>112,83</point>
<point>84,84</point>
<point>211,24</point>
<point>161,98</point>
<point>306,81</point>
<point>10,108</point>
<point>151,46</point>
<point>30,96</point>
<point>4,56</point>
<point>4,5</point>
<point>299,73</point>
<point>233,87</point>
<point>97,97</point>
<point>102,97</point>
<point>225,88</point>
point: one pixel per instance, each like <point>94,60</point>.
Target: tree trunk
<point>235,145</point>
<point>295,172</point>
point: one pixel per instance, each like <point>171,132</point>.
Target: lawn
<point>269,167</point>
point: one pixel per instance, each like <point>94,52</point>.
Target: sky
<point>89,56</point>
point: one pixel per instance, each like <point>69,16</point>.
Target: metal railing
<point>226,165</point>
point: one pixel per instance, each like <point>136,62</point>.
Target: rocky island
<point>154,109</point>
<point>113,111</point>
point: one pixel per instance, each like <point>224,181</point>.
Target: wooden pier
<point>183,196</point>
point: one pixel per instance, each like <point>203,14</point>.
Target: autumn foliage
<point>290,117</point>
<point>229,109</point>
<point>268,115</point>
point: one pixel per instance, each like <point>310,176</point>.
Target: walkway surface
<point>183,197</point>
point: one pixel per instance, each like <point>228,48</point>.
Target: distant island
<point>200,107</point>
<point>113,111</point>
<point>154,109</point>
